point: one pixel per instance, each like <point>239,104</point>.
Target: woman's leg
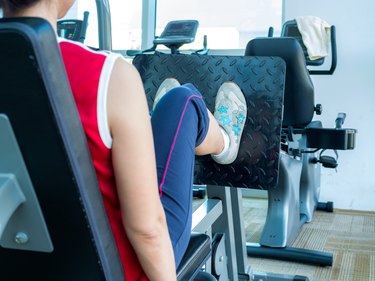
<point>183,126</point>
<point>180,123</point>
<point>213,143</point>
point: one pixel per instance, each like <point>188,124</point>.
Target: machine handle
<point>85,23</point>
<point>333,56</point>
<point>203,51</point>
<point>270,31</point>
<point>340,120</point>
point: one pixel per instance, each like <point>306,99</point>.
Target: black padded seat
<point>197,253</point>
<point>37,104</point>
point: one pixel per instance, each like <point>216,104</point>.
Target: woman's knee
<point>181,94</point>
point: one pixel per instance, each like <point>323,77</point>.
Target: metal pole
<point>148,23</point>
<point>104,25</point>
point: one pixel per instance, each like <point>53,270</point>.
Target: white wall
<point>351,89</point>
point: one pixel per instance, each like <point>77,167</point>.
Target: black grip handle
<point>85,23</point>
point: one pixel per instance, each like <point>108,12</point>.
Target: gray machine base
<point>290,254</point>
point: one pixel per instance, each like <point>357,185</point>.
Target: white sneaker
<point>164,87</point>
<point>230,113</point>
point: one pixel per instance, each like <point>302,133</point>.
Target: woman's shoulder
<point>80,50</point>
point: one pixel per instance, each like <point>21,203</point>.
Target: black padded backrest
<point>262,81</point>
<point>299,89</point>
<point>36,98</point>
<point>290,29</point>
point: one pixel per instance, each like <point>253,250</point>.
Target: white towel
<point>316,35</point>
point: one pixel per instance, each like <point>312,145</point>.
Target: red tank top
<point>89,72</point>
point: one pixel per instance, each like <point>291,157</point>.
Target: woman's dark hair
<point>14,5</point>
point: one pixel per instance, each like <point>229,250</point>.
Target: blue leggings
<point>179,123</point>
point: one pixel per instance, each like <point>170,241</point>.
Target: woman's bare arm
<point>135,169</point>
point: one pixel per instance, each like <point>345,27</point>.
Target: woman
<point>151,225</point>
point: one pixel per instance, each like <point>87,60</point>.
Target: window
<point>126,16</point>
<point>227,24</point>
<point>76,12</point>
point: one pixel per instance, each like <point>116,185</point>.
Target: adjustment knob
<point>318,109</point>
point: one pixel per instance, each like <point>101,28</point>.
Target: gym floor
<point>349,235</point>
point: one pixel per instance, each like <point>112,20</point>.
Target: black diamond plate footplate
<point>262,81</point>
